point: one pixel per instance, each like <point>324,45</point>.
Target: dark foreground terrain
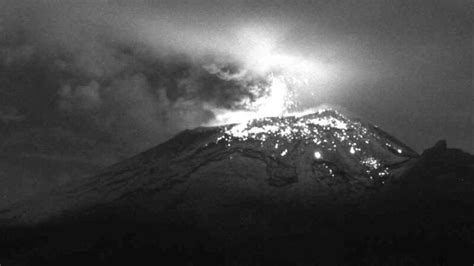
<point>234,208</point>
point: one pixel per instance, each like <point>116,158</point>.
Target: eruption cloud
<point>139,76</point>
<point>251,55</point>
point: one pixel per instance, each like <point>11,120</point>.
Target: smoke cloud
<point>140,78</point>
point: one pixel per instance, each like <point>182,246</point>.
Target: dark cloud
<point>122,89</point>
<point>143,99</point>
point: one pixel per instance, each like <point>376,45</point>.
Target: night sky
<point>84,84</point>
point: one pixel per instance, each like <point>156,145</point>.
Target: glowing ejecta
<point>352,150</point>
<point>317,155</point>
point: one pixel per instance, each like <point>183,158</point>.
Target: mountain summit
<point>315,154</point>
<point>269,191</point>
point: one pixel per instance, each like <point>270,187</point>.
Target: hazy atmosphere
<point>84,84</point>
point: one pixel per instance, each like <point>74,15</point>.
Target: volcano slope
<point>319,189</point>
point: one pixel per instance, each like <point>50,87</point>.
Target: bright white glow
<point>275,103</point>
<point>329,122</point>
<point>311,128</point>
<point>352,150</point>
<point>223,116</point>
<point>317,155</point>
<point>371,163</point>
<point>285,73</point>
<point>265,55</point>
<point>399,150</point>
<point>283,153</point>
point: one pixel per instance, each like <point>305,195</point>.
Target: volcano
<point>314,189</point>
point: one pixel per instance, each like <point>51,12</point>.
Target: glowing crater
<point>326,132</point>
